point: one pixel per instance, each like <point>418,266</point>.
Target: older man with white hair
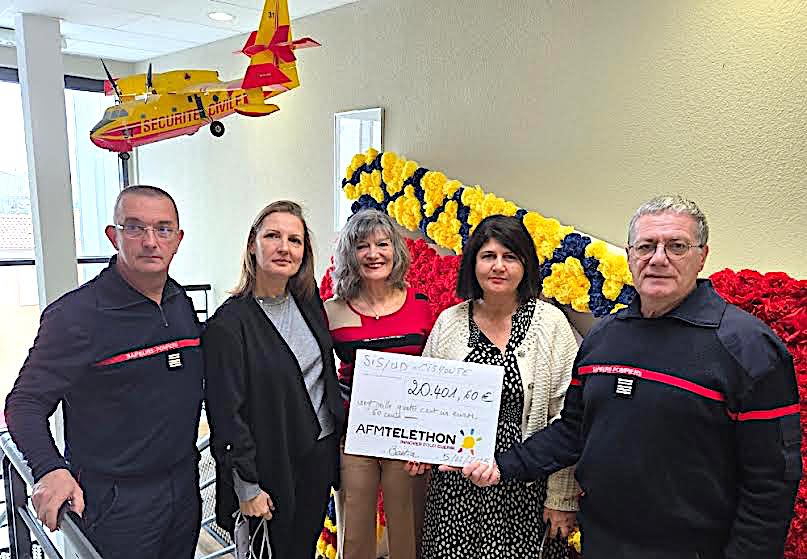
<point>683,414</point>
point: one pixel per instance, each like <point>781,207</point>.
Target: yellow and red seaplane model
<point>157,106</point>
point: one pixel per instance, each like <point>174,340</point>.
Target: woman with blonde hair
<point>271,390</point>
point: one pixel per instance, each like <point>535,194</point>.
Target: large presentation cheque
<point>422,409</point>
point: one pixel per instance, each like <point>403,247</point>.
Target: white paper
<point>424,410</point>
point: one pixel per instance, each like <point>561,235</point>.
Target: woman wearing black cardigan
<point>272,396</point>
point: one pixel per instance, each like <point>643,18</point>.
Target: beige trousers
<point>404,499</point>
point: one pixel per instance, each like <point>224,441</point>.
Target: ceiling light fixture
<point>8,38</point>
<point>220,16</point>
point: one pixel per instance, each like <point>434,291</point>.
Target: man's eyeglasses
<point>134,231</point>
<point>675,250</point>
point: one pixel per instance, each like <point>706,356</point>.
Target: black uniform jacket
<point>261,418</point>
<point>129,373</point>
<point>685,429</point>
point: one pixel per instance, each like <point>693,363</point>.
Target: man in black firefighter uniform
<point>121,353</point>
<point>682,416</point>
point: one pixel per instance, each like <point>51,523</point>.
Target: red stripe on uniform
<point>576,382</point>
<point>655,377</point>
<point>148,352</point>
<point>775,413</point>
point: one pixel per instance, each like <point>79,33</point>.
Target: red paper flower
<point>781,302</point>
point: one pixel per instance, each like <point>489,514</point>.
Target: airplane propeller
<point>112,82</point>
<point>149,83</point>
<point>150,80</point>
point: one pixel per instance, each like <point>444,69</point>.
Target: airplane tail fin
<point>271,50</point>
<point>279,45</point>
<point>248,45</point>
<point>265,75</point>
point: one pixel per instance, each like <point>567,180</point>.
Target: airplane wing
<point>163,82</point>
<point>233,85</point>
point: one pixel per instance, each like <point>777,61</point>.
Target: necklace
<point>372,308</point>
<point>273,301</point>
<point>373,311</point>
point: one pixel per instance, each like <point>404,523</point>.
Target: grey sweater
<point>290,324</point>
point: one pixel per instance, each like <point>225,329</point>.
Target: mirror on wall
<point>354,132</point>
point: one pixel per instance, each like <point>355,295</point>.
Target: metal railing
<point>22,520</point>
<point>207,490</point>
<point>32,262</point>
<point>24,528</point>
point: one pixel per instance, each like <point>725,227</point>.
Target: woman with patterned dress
<point>374,309</point>
<point>503,323</point>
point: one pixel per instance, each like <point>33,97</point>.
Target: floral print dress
<point>504,521</point>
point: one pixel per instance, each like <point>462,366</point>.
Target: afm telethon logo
<point>468,442</point>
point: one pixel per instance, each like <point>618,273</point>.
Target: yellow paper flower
<point>575,540</point>
<point>375,189</point>
<point>568,284</point>
<point>450,187</point>
<point>356,162</point>
<point>547,234</point>
<point>392,168</point>
<point>613,267</point>
<point>360,159</point>
<point>406,209</point>
<point>482,205</point>
<point>433,196</point>
<point>350,191</point>
<point>445,231</point>
<point>395,172</point>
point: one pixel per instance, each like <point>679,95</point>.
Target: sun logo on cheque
<point>468,442</point>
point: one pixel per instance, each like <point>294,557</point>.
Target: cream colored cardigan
<point>545,359</point>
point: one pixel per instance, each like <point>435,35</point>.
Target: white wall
<point>581,110</point>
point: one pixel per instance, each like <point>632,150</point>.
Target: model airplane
<point>157,106</point>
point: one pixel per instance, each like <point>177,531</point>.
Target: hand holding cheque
<point>423,410</point>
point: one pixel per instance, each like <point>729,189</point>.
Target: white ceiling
<point>137,30</point>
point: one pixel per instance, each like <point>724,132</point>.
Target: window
<point>19,304</point>
<point>94,174</point>
<point>114,112</point>
<point>354,132</point>
<point>96,180</point>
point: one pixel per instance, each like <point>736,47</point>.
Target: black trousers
<point>144,518</point>
<point>601,543</point>
<point>312,490</point>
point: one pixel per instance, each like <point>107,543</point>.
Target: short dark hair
<point>511,233</point>
<point>143,190</point>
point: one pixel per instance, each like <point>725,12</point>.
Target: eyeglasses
<point>675,250</point>
<point>134,231</point>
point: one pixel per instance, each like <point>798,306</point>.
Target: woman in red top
<point>374,309</point>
